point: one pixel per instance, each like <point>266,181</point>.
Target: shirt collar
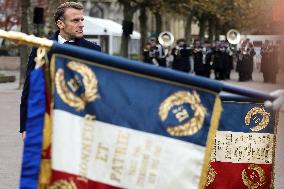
<point>61,40</point>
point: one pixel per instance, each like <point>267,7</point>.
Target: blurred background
<point>188,19</point>
<point>123,27</point>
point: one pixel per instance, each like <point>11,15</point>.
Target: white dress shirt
<point>61,40</point>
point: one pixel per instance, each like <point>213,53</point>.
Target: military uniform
<point>245,61</point>
<point>269,63</point>
<point>220,60</point>
<point>207,59</point>
<point>199,66</point>
<point>181,60</point>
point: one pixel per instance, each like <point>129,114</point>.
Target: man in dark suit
<point>69,20</point>
<point>198,58</point>
<point>245,60</point>
<point>181,54</point>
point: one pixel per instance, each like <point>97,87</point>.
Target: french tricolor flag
<point>244,150</point>
<point>117,129</point>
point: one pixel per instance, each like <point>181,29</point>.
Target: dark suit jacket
<point>31,65</point>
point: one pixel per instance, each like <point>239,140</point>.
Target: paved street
<point>10,141</point>
<point>11,144</point>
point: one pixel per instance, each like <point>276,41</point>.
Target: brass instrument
<point>166,39</point>
<point>233,36</point>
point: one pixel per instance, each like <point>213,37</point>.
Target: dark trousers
<point>269,77</point>
<point>219,75</point>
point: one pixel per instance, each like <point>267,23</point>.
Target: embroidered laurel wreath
<point>211,176</point>
<point>89,80</point>
<point>63,184</point>
<point>248,179</point>
<point>265,118</point>
<point>194,124</point>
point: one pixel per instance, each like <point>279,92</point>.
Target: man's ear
<point>60,24</point>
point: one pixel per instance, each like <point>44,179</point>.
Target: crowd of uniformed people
<point>270,60</point>
<point>218,58</point>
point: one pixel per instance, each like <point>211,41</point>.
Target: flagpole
<point>22,38</point>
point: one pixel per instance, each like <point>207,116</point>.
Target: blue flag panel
<point>244,115</point>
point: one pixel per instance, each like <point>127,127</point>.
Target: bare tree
<point>143,27</point>
<point>143,19</point>
<point>129,8</point>
<point>158,7</point>
<point>26,27</point>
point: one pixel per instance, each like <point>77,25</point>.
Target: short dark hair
<point>180,40</point>
<point>152,39</point>
<point>59,13</point>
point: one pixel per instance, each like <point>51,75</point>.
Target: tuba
<point>166,39</point>
<point>233,36</point>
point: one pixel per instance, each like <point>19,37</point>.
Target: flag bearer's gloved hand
<point>278,103</point>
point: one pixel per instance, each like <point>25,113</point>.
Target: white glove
<point>278,103</point>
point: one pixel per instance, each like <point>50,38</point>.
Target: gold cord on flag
<point>40,58</point>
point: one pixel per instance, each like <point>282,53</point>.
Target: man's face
<point>152,42</point>
<point>207,45</point>
<point>72,25</point>
<point>181,43</point>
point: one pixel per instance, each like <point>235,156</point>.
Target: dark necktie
<point>70,42</point>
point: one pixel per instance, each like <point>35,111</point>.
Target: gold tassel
<point>45,166</point>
